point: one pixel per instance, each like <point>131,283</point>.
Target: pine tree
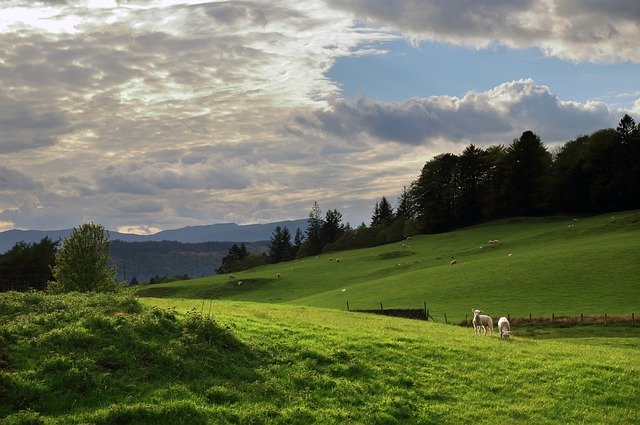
<point>313,244</point>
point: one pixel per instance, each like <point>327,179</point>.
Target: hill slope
<point>541,266</point>
<point>98,359</point>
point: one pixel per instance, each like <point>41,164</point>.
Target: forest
<point>593,173</point>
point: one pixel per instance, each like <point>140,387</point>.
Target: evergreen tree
<point>382,213</point>
<point>528,176</point>
<point>403,211</point>
<point>313,244</point>
<point>298,240</point>
<point>472,169</point>
<point>231,262</point>
<point>280,248</point>
<point>332,227</point>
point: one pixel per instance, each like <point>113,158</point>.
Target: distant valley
<point>194,251</point>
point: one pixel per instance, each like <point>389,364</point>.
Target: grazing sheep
<point>494,242</point>
<point>231,276</point>
<point>454,261</point>
<point>504,327</point>
<point>481,322</point>
<point>278,274</point>
<point>239,283</point>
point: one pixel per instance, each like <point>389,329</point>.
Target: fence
<point>552,320</point>
<point>566,321</point>
<point>407,313</point>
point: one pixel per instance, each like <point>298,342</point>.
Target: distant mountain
<point>224,232</point>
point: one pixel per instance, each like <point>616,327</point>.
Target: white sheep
<point>454,261</point>
<point>278,274</point>
<point>481,322</point>
<point>504,327</point>
<point>239,283</point>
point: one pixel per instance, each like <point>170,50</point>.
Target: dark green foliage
<point>280,248</point>
<point>595,173</point>
<point>382,213</point>
<point>27,266</point>
<point>239,258</point>
<point>82,264</point>
<point>313,242</point>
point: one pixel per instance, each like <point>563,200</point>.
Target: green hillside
<point>541,266</point>
<point>98,359</point>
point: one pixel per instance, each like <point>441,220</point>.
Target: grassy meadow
<point>103,360</point>
<point>283,350</point>
<point>541,266</point>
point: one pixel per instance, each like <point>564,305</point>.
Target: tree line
<point>593,173</point>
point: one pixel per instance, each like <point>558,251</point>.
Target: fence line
<point>552,320</point>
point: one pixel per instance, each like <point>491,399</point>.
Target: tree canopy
<point>82,263</point>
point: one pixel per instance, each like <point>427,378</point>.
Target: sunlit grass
<point>239,362</point>
<point>541,266</point>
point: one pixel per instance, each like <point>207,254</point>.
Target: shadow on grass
<point>72,355</point>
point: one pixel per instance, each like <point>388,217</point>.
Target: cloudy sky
<point>147,115</point>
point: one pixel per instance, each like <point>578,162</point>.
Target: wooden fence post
<point>445,318</point>
<point>553,318</point>
<point>348,306</point>
<point>581,319</point>
<point>633,319</point>
<point>529,317</point>
<point>466,320</point>
<point>381,307</point>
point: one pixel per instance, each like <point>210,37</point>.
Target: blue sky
<point>146,115</point>
<point>440,69</point>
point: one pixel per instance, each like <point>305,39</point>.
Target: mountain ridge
<point>219,232</point>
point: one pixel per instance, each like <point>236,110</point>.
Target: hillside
<point>144,260</point>
<point>541,266</point>
<point>102,359</point>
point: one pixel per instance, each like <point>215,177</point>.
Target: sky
<point>150,115</point>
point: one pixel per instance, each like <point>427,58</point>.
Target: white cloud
<point>494,116</point>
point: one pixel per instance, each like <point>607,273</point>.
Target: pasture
<point>93,359</point>
<point>541,266</point>
<point>283,350</point>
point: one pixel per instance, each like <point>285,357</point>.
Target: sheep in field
<point>504,327</point>
<point>481,322</point>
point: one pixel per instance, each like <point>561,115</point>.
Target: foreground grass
<point>542,266</point>
<point>99,359</point>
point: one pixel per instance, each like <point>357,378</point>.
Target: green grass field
<point>541,266</point>
<point>283,350</point>
<point>95,359</point>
